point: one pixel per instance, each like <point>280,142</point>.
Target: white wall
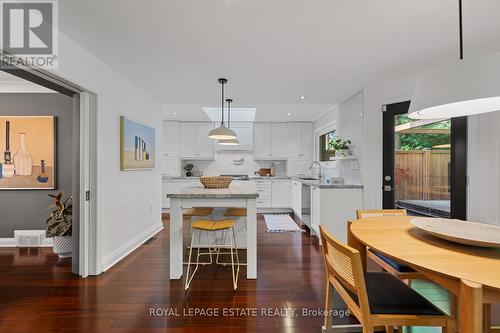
<point>129,203</point>
<point>224,164</point>
<point>347,120</point>
<point>484,168</point>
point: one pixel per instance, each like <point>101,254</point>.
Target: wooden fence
<point>422,175</point>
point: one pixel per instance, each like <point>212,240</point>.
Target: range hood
<point>244,131</point>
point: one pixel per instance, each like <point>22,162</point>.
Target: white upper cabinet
<point>279,140</point>
<point>270,141</point>
<point>244,131</point>
<point>261,140</point>
<point>194,141</point>
<point>300,141</point>
<point>206,146</point>
<point>170,139</point>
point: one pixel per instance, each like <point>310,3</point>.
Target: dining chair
<point>395,267</point>
<point>376,299</point>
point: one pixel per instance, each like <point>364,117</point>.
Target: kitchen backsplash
<point>241,163</point>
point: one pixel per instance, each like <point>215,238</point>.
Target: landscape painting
<point>27,152</point>
<point>137,145</point>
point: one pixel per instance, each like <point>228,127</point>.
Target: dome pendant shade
<point>229,142</point>
<point>463,88</point>
<point>222,133</point>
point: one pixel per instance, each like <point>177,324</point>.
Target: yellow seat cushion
<point>198,211</point>
<point>211,225</point>
<point>235,212</point>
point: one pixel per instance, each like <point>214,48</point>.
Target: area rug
<point>281,223</point>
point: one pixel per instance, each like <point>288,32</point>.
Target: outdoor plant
<point>339,144</point>
<point>60,221</point>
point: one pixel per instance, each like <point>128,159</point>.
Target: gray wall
<point>21,209</point>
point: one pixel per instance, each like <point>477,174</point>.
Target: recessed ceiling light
<point>302,97</point>
<point>174,113</point>
<point>288,114</point>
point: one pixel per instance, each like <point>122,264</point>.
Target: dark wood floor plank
<point>38,293</point>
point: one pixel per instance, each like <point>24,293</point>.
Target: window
<point>325,146</point>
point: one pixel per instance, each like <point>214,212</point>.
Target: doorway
<point>85,238</point>
<point>424,163</point>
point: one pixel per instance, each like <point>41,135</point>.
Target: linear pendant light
<point>229,142</point>
<point>222,132</point>
<point>465,87</point>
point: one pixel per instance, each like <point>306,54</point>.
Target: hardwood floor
<point>38,293</point>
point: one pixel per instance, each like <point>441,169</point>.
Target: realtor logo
<point>28,35</point>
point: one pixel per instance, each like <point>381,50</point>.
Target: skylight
<point>237,114</point>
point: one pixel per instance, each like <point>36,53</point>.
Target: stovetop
<point>238,177</point>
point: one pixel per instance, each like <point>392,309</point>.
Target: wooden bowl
<point>463,232</point>
<point>216,181</point>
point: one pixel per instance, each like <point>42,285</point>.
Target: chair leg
<point>328,306</point>
<point>368,329</point>
<point>389,329</point>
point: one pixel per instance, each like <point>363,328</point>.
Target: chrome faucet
<point>320,175</point>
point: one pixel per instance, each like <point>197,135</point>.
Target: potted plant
<point>59,224</point>
<point>188,168</point>
<point>341,147</point>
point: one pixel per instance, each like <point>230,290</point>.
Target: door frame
<point>87,246</point>
<point>458,159</point>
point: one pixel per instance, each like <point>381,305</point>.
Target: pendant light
<point>229,142</point>
<point>222,132</point>
<point>465,87</point>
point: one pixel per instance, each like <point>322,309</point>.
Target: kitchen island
<point>239,194</point>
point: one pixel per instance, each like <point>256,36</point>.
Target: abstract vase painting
<point>23,162</point>
<point>137,145</point>
<point>24,142</point>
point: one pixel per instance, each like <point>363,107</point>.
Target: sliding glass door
<point>424,164</point>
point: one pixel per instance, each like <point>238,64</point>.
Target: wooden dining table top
<point>396,237</point>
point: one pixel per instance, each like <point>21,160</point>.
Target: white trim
<point>11,242</point>
<point>123,251</point>
<point>23,87</point>
<point>7,242</point>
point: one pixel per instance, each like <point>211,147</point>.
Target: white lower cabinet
<point>264,189</point>
<point>315,210</point>
<point>280,193</point>
<point>332,208</point>
<point>296,200</point>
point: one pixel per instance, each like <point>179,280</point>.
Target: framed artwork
<point>28,152</point>
<point>137,145</point>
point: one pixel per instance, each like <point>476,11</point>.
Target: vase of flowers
<point>341,147</point>
<point>59,224</point>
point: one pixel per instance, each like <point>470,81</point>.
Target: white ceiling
<point>13,84</point>
<point>272,52</point>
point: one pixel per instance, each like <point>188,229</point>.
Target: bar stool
<point>218,229</point>
<point>197,212</point>
<point>235,212</point>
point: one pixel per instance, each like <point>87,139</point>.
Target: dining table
<point>470,273</point>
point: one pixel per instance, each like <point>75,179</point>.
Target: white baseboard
<point>117,255</point>
<point>11,242</point>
